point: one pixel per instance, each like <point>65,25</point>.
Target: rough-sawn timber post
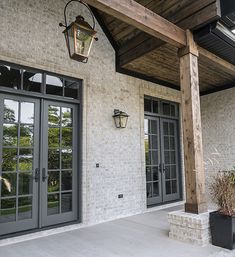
<point>192,132</point>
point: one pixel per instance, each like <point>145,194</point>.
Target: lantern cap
<point>117,112</point>
<point>80,21</point>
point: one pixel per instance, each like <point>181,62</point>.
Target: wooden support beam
<point>192,132</point>
<point>196,14</point>
<point>132,13</point>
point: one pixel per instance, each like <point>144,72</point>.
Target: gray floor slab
<point>144,235</point>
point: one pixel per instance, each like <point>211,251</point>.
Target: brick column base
<point>190,227</point>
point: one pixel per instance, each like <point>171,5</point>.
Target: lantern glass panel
<point>117,121</point>
<point>123,121</point>
<point>83,41</point>
<point>70,32</point>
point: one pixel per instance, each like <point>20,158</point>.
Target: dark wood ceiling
<point>152,59</point>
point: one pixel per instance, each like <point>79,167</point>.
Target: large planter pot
<point>222,230</point>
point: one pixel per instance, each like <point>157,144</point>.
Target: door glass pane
<point>54,85</point>
<point>9,159</point>
<point>174,186</point>
<point>53,137</point>
<point>155,173</point>
<point>146,126</point>
<point>154,142</point>
<point>66,183</point>
<point>67,137</point>
<point>154,127</point>
<point>167,172</point>
<point>155,189</point>
<point>53,159</point>
<point>147,105</point>
<point>8,210</point>
<point>54,115</point>
<point>27,113</point>
<point>8,184</point>
<point>26,135</point>
<point>173,112</point>
<point>32,81</point>
<point>53,204</point>
<point>10,134</point>
<point>167,157</point>
<point>53,181</point>
<point>166,142</point>
<point>149,190</point>
<point>172,143</point>
<point>25,208</point>
<point>66,202</point>
<point>172,130</point>
<point>168,187</point>
<point>154,158</point>
<point>173,159</point>
<point>10,77</point>
<point>25,159</point>
<point>147,154</point>
<point>25,183</point>
<point>155,107</point>
<point>173,171</point>
<point>11,111</point>
<point>165,129</point>
<point>166,109</point>
<point>71,89</point>
<point>66,117</point>
<point>66,155</point>
<point>148,174</point>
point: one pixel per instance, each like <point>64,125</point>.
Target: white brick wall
<point>30,36</point>
<point>218,127</point>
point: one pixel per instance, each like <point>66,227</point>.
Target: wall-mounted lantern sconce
<point>79,35</point>
<point>120,118</point>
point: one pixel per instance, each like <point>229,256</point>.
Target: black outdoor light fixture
<point>120,118</point>
<point>79,35</point>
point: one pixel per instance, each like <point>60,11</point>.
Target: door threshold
<point>38,233</point>
<point>164,206</point>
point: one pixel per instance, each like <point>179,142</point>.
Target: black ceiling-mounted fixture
<point>218,37</point>
<point>79,35</point>
<point>228,13</point>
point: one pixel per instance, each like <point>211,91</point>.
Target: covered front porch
<point>140,235</point>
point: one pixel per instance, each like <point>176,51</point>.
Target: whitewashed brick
<point>189,227</point>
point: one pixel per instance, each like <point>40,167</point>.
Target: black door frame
<point>45,97</point>
<point>27,223</point>
<point>160,116</point>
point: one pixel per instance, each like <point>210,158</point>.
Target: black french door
<point>162,160</point>
<point>38,168</point>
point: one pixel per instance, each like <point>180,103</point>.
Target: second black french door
<point>162,160</point>
<point>38,168</point>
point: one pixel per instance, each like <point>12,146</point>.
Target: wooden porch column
<point>192,132</point>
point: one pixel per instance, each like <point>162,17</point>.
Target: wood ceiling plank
<point>142,18</point>
<point>135,52</point>
<point>217,61</point>
<point>206,15</point>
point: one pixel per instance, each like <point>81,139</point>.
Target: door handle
<point>163,168</point>
<point>44,176</point>
<point>36,175</point>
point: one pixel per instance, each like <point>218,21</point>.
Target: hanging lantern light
<point>120,118</point>
<point>79,35</point>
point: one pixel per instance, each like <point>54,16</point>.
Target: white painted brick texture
<point>30,36</point>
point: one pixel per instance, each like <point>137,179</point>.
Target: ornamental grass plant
<point>223,192</point>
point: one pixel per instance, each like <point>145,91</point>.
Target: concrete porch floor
<point>144,235</point>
